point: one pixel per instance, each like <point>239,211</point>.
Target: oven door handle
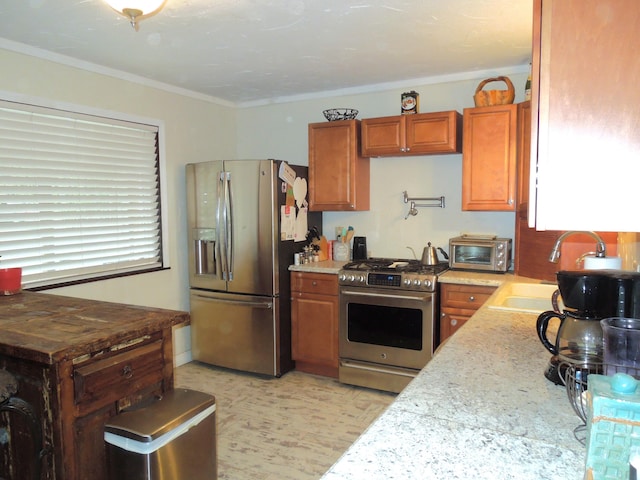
<point>383,295</point>
<point>371,368</point>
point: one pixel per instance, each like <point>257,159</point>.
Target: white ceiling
<point>254,51</point>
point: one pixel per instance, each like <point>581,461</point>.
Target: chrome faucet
<point>601,249</point>
<point>413,211</point>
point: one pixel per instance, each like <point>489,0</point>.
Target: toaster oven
<point>480,253</point>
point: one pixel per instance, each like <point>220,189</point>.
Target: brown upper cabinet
<point>523,153</point>
<point>489,157</point>
<point>415,134</point>
<point>586,119</point>
<point>338,175</point>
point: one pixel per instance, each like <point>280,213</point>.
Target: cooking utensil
<point>348,235</point>
<point>430,255</point>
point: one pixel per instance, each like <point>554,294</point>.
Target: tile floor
<point>289,428</point>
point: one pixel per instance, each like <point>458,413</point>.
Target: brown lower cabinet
<point>314,322</point>
<point>458,303</point>
<point>78,363</point>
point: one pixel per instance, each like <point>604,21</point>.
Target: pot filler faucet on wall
<point>413,206</point>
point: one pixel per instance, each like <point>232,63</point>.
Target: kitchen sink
<point>524,297</point>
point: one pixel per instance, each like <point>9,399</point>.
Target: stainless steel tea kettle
<point>430,255</point>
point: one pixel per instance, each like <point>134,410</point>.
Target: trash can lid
<point>149,422</point>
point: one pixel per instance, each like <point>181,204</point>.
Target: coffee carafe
<point>587,299</point>
<point>588,296</point>
<point>578,342</point>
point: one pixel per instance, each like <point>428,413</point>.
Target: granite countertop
<point>480,409</point>
<point>449,276</point>
<point>327,266</point>
<point>47,328</point>
<point>462,277</point>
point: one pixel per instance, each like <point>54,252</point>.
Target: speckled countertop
<point>328,266</point>
<point>480,409</point>
<point>475,278</point>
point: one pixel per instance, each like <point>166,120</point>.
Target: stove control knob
<point>407,282</point>
<point>417,282</point>
<point>427,283</point>
<point>352,278</point>
<point>342,277</point>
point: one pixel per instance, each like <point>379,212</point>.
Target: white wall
<point>280,131</point>
<point>198,130</point>
<point>195,130</point>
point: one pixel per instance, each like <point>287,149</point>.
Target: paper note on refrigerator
<point>301,229</point>
<point>287,222</point>
<point>287,173</point>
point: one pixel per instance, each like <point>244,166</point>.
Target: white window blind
<point>79,195</point>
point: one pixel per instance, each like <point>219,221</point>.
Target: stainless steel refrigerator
<point>240,214</point>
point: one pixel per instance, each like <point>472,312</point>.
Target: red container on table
<point>10,281</point>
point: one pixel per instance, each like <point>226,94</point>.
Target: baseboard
<point>182,358</point>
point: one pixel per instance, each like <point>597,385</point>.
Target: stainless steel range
<point>386,321</point>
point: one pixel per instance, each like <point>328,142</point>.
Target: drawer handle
<point>314,283</point>
<point>454,322</point>
<point>472,298</point>
<point>127,371</point>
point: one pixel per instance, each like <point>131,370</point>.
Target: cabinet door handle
<point>314,283</point>
<point>472,298</point>
<point>127,371</point>
<point>454,322</point>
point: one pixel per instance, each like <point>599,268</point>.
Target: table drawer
<point>104,381</point>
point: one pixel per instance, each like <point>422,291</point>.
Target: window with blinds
<point>79,195</point>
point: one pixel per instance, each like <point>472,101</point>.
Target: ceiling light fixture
<point>136,10</point>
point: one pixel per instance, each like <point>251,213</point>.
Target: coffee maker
<point>588,297</point>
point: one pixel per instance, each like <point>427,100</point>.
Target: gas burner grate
<point>395,265</point>
<point>382,264</point>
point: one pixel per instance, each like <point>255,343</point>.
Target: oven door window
<point>473,255</point>
<point>385,325</point>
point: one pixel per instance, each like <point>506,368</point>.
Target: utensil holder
<point>341,252</point>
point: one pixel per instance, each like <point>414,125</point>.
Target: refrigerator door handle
<point>229,203</point>
<point>220,249</point>
<point>224,233</point>
<point>243,303</point>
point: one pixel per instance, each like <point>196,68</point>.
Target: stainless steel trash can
<point>172,438</point>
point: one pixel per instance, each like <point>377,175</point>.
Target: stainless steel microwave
<point>481,253</point>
